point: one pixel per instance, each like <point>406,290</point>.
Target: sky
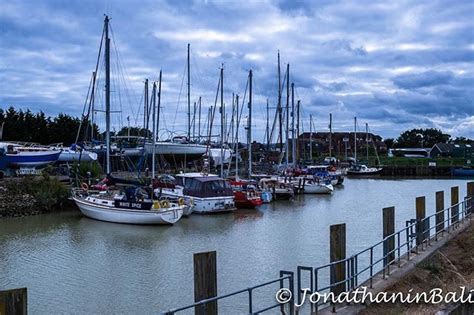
<point>395,65</point>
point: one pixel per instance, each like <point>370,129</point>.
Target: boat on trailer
<point>28,156</point>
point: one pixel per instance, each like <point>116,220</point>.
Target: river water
<point>72,264</point>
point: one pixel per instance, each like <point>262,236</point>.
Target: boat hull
<point>178,151</point>
<point>119,215</point>
<point>369,172</point>
<point>32,159</point>
<point>74,156</point>
<point>318,189</point>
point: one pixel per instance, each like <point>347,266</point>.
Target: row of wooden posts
<point>205,265</point>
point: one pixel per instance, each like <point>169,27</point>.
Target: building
<point>452,150</point>
<point>340,142</point>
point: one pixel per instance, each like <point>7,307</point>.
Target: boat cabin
<point>204,186</point>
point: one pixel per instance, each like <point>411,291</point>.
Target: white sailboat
<point>135,205</point>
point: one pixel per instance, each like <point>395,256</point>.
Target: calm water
<point>71,264</point>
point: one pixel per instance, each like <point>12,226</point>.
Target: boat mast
<point>158,110</point>
<point>367,140</point>
<point>298,104</point>
<point>94,74</point>
<point>194,121</point>
<point>355,139</point>
<point>311,137</point>
<point>237,140</point>
<point>146,105</point>
<point>249,125</point>
<point>199,119</point>
<point>153,152</point>
<point>268,127</point>
<point>330,134</point>
<point>279,107</point>
<point>189,96</point>
<point>222,120</point>
<point>293,142</point>
<point>107,94</point>
<point>287,113</point>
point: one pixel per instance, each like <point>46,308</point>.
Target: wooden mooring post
<point>470,193</point>
<point>388,218</point>
<point>13,302</point>
<point>454,204</point>
<point>205,282</point>
<point>422,226</point>
<point>337,252</point>
<point>439,213</point>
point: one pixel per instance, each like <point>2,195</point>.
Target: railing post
<point>205,282</point>
<point>337,252</point>
<point>439,212</point>
<point>420,218</point>
<point>454,204</point>
<point>13,301</point>
<point>388,216</point>
<point>470,194</point>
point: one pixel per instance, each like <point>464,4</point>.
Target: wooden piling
<point>421,226</point>
<point>205,282</point>
<point>470,193</point>
<point>439,211</point>
<point>454,204</point>
<point>13,302</point>
<point>337,252</point>
<point>388,218</point>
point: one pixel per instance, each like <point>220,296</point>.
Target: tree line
<point>423,138</point>
<point>19,125</point>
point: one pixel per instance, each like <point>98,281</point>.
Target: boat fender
<point>156,204</point>
<point>191,202</point>
<point>165,204</point>
<point>84,186</point>
<point>181,201</point>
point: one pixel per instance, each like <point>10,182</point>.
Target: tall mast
<point>311,137</point>
<point>222,120</point>
<point>249,125</point>
<point>199,120</point>
<point>293,142</point>
<point>355,139</point>
<point>279,108</point>
<point>298,104</point>
<point>367,140</point>
<point>268,127</point>
<point>94,74</point>
<point>194,120</point>
<point>237,140</point>
<point>287,113</point>
<point>153,152</point>
<point>189,96</point>
<point>107,94</point>
<point>158,110</point>
<point>145,125</point>
<point>330,135</point>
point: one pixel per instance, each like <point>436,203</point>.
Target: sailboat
<point>133,205</point>
<point>361,169</point>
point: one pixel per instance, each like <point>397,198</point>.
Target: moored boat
<point>245,194</point>
<point>209,193</point>
<point>363,170</point>
<point>17,155</point>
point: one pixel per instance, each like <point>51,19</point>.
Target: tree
<point>389,142</point>
<point>421,138</point>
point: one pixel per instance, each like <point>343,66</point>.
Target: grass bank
<point>448,269</point>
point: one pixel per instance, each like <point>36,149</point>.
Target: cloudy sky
<point>393,64</point>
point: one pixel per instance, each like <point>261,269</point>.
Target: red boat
<point>245,195</point>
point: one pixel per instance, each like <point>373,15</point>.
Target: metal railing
<point>359,268</point>
<point>284,275</point>
<point>416,234</point>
